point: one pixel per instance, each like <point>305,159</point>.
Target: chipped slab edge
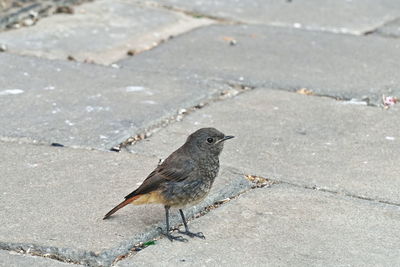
<point>148,41</point>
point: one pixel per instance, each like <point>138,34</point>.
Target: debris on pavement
<point>15,14</point>
<point>355,101</point>
<point>389,101</point>
<point>3,47</point>
<point>259,181</point>
<point>304,91</point>
<point>231,40</point>
<point>131,52</point>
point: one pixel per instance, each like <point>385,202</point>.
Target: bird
<point>183,179</point>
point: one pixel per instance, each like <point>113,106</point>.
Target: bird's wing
<point>173,169</point>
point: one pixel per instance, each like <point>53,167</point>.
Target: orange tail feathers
<point>120,206</point>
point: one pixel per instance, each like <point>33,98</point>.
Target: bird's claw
<point>177,238</point>
<point>191,234</point>
<point>172,237</point>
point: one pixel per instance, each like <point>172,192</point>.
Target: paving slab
<point>14,13</point>
<point>356,16</point>
<point>342,66</point>
<point>53,201</point>
<point>286,226</point>
<point>391,29</point>
<point>13,259</point>
<point>87,105</point>
<point>305,140</point>
<point>102,31</point>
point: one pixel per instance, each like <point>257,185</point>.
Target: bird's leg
<point>167,233</point>
<point>187,232</point>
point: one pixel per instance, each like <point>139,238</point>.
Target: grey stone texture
<point>331,159</point>
<point>88,105</point>
<point>343,16</point>
<point>305,140</point>
<point>391,29</point>
<point>14,13</point>
<point>13,259</point>
<point>102,31</point>
<point>342,66</point>
<point>286,226</point>
<point>53,201</point>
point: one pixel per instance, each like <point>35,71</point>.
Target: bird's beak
<point>226,137</point>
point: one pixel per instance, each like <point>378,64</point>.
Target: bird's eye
<point>210,140</point>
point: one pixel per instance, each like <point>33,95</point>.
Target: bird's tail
<point>121,205</point>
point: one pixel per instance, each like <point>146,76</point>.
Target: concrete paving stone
<point>305,140</point>
<point>356,16</point>
<point>286,226</point>
<point>14,13</point>
<point>102,31</point>
<point>13,259</point>
<point>88,105</point>
<point>343,66</point>
<point>53,201</point>
<point>391,29</point>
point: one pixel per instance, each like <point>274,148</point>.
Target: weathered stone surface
<point>342,66</point>
<point>356,16</point>
<point>12,259</point>
<point>286,226</point>
<point>306,140</point>
<point>88,105</point>
<point>53,201</point>
<point>391,29</point>
<point>14,14</point>
<point>102,31</point>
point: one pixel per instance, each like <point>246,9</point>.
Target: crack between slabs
<point>383,24</point>
<point>189,13</point>
<point>307,92</point>
<point>346,194</point>
<point>49,252</point>
<point>254,182</point>
<point>28,14</point>
<point>234,90</point>
<point>258,179</point>
<point>128,247</point>
<point>364,101</point>
<point>296,26</point>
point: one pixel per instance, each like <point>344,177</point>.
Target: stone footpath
<point>90,101</point>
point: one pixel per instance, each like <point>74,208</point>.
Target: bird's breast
<point>196,187</point>
<point>188,192</point>
<point>209,168</point>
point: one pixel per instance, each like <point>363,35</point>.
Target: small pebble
<point>3,47</point>
<point>182,111</point>
<point>131,52</point>
<point>28,22</point>
<point>65,10</point>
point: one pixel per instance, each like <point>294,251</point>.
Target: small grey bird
<point>184,178</point>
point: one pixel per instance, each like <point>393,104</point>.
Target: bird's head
<point>209,140</point>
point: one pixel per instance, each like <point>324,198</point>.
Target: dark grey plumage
<point>184,178</point>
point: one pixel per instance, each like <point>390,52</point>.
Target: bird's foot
<point>191,234</point>
<point>177,238</point>
<point>172,237</point>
